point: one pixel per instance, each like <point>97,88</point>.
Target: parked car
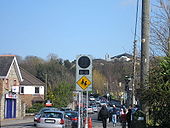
<point>91,98</point>
<point>36,117</point>
<point>103,103</point>
<point>73,115</point>
<point>90,109</point>
<point>53,119</point>
<point>65,109</point>
<point>95,108</point>
<point>98,101</point>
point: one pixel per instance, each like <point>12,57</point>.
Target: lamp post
<point>46,88</point>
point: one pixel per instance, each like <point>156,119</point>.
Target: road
<point>98,124</point>
<point>28,123</point>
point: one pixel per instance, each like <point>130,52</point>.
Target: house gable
<point>7,63</point>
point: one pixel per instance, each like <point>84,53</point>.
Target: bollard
<point>86,123</point>
<point>90,123</point>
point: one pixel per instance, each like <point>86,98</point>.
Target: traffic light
<point>84,73</point>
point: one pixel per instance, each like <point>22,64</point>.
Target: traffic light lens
<point>84,62</point>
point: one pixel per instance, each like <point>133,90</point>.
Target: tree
<point>160,28</point>
<point>114,73</point>
<point>31,63</point>
<point>99,81</point>
<point>61,95</point>
<point>157,95</point>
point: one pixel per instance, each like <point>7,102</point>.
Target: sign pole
<point>82,109</point>
<point>87,104</point>
<point>79,119</point>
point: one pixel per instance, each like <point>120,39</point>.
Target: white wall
<point>31,90</point>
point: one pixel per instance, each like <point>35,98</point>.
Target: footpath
<point>27,119</point>
<point>109,125</point>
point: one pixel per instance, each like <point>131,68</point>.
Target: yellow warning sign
<point>84,82</point>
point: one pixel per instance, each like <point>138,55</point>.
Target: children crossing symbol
<point>84,82</point>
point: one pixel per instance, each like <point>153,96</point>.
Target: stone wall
<point>13,80</point>
<point>2,99</point>
<point>1,91</point>
<point>27,98</point>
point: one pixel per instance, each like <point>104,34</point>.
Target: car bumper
<point>39,125</point>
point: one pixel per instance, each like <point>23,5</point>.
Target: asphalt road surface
<point>30,124</point>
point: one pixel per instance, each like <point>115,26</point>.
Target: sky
<point>67,28</point>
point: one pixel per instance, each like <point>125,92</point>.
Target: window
<point>7,83</point>
<point>15,82</point>
<point>21,90</point>
<point>37,89</point>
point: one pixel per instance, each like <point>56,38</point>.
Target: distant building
<point>122,58</point>
<point>107,57</point>
<point>31,89</point>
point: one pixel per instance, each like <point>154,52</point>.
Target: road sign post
<point>84,79</point>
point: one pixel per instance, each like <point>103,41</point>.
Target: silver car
<point>37,116</point>
<point>54,119</point>
<point>95,108</point>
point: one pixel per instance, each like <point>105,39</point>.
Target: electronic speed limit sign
<point>84,73</point>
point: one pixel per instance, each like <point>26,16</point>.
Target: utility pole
<point>134,72</point>
<point>46,88</point>
<point>169,38</point>
<point>145,33</point>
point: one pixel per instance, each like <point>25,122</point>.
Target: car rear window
<point>52,115</point>
<point>72,114</point>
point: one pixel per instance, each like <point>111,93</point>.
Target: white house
<point>31,89</point>
<point>122,57</point>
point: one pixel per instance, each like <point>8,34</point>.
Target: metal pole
<point>87,104</point>
<point>145,33</point>
<point>82,115</point>
<point>79,119</point>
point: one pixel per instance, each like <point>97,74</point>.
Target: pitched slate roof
<point>29,79</point>
<point>5,63</point>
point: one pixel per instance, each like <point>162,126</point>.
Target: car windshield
<point>52,115</point>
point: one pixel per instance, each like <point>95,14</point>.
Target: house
<point>122,57</point>
<point>18,88</point>
<point>31,89</point>
<point>11,105</point>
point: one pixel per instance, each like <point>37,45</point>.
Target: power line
<point>136,19</point>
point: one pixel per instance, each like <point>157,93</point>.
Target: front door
<point>10,108</point>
